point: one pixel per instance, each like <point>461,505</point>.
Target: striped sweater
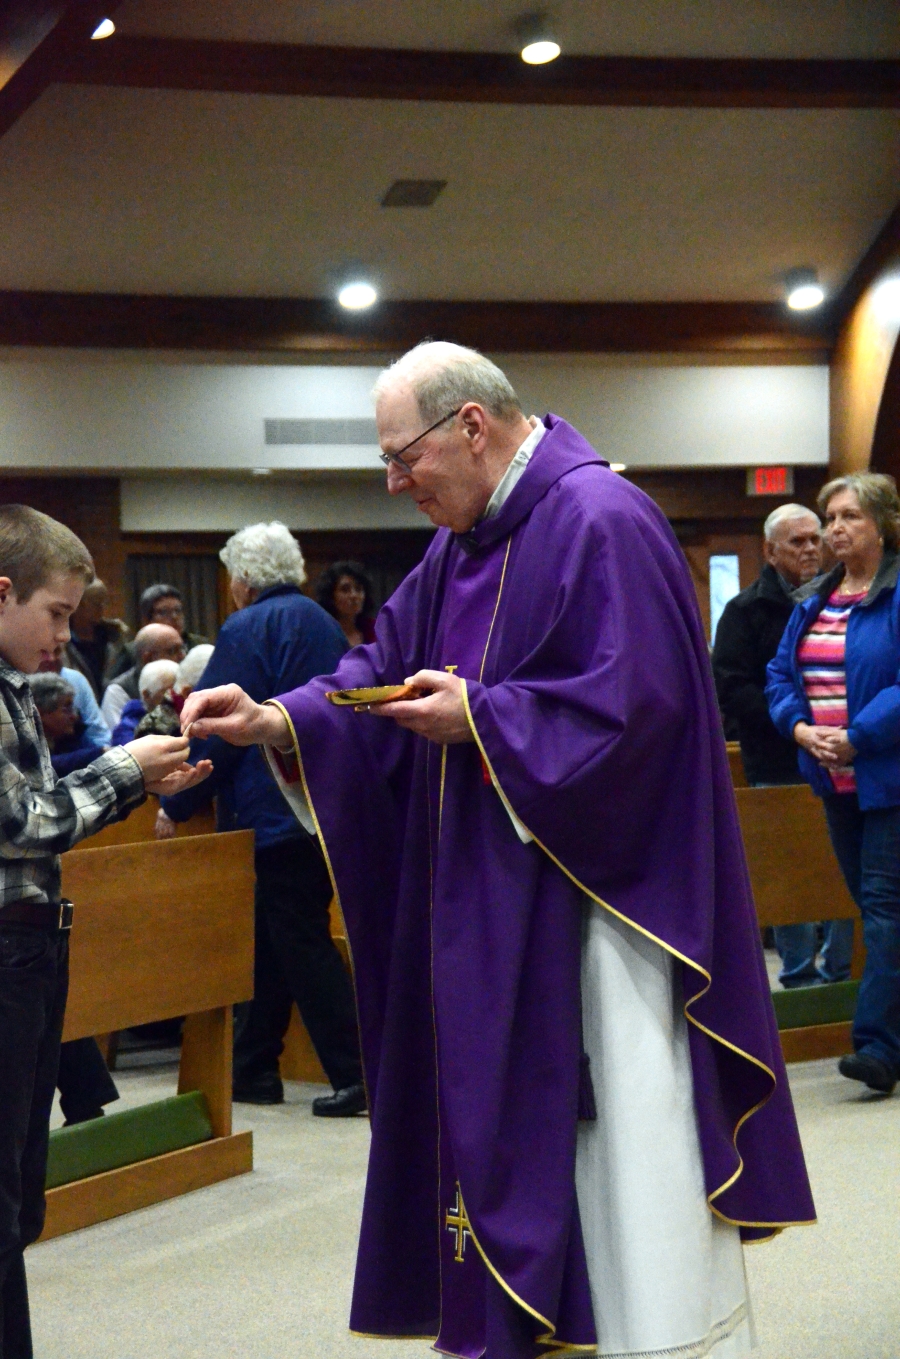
<point>821,659</point>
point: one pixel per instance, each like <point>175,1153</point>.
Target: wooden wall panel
<point>861,361</point>
<point>89,506</point>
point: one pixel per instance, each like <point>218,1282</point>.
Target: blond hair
<point>34,547</point>
<point>878,498</point>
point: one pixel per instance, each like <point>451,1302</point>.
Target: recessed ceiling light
<point>618,466</point>
<point>357,296</point>
<point>262,471</point>
<point>105,29</point>
<point>537,43</point>
<point>804,291</point>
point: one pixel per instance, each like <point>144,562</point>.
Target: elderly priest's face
<point>451,473</point>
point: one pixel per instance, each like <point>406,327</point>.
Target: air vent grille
<point>352,432</point>
<point>413,193</point>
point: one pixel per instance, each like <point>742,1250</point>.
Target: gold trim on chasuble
<point>775,1227</point>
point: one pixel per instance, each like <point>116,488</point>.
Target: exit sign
<point>770,481</point>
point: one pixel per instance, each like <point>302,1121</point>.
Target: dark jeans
<point>867,845</point>
<point>296,960</point>
<point>34,980</point>
<point>84,1083</point>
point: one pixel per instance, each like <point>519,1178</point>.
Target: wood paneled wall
<point>865,368</point>
<point>708,509</point>
<point>89,506</point>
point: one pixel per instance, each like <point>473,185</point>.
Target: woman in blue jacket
<point>834,686</point>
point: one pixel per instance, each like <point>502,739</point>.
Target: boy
<point>43,571</point>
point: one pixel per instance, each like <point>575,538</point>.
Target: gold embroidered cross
<point>451,669</point>
<point>458,1222</point>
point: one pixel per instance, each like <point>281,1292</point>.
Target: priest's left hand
<point>440,716</point>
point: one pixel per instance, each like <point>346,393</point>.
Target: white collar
<point>520,461</point>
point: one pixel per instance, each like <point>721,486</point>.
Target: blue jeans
<point>797,945</point>
<point>867,845</point>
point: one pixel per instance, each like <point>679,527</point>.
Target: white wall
<point>142,415</point>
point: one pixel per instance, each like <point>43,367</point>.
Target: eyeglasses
<point>397,458</point>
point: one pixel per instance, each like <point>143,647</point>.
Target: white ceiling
<point>749,28</point>
<point>177,192</point>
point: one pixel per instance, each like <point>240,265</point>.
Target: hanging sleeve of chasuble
<point>595,718</point>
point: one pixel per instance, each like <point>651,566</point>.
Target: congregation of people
<point>806,662</point>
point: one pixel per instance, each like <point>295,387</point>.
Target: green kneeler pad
<point>121,1139</point>
<point>832,1003</point>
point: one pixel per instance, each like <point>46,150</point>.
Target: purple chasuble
<point>572,619</point>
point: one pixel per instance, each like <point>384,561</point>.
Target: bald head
<point>451,470</point>
<point>443,376</point>
<point>158,642</point>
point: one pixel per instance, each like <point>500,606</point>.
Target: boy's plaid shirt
<point>40,815</point>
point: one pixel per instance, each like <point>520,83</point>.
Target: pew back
<point>161,929</point>
<point>794,873</point>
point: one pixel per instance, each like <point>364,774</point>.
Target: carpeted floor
<point>261,1267</point>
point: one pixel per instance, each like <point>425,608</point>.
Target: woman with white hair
<point>278,639</point>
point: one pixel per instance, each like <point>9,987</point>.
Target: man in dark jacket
<point>279,639</point>
<point>747,638</point>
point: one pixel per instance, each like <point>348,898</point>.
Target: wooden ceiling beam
<point>486,77</point>
<point>884,247</point>
<point>37,38</point>
<point>287,325</point>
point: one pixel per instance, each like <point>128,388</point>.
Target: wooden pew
<point>298,1061</point>
<point>736,764</point>
<point>161,929</point>
<point>796,879</point>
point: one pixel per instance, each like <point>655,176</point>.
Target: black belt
<point>46,915</point>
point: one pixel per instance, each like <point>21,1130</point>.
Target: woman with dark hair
<point>345,591</point>
<point>833,687</point>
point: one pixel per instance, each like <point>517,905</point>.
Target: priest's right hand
<point>230,713</point>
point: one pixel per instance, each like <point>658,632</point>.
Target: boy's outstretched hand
<point>163,764</point>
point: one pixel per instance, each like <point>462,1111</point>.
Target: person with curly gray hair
<point>278,638</point>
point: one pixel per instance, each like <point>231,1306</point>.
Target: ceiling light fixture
<point>537,44</point>
<point>358,295</point>
<point>804,291</point>
<point>262,471</point>
<point>105,29</point>
<point>618,466</point>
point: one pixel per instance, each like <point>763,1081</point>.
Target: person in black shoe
<point>833,689</point>
<point>748,635</point>
<point>277,639</point>
<point>43,571</point>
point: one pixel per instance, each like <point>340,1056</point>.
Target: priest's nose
<point>397,479</point>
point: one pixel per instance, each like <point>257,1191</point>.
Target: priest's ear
<point>474,422</point>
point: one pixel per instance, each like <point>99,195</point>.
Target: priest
<point>579,1106</point>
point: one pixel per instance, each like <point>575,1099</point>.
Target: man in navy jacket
<point>277,640</point>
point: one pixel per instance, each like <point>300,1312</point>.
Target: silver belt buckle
<point>66,911</point>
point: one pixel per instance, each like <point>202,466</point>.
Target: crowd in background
<point>106,688</point>
<point>807,668</point>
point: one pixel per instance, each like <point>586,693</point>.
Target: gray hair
<point>157,675</point>
<point>782,515</point>
<point>192,667</point>
<point>877,496</point>
<point>263,555</point>
<point>49,691</point>
<point>445,376</point>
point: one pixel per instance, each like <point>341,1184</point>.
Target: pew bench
<point>796,880</point>
<point>161,929</point>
